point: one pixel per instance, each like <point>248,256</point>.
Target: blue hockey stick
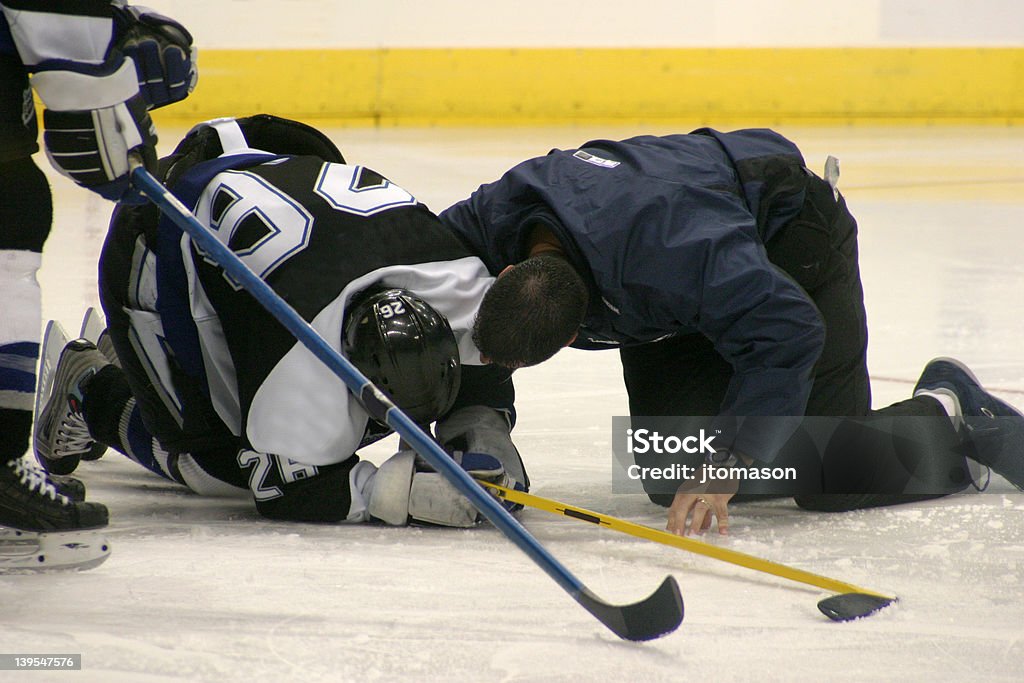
<point>660,613</point>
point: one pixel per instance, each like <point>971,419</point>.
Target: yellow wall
<point>499,86</point>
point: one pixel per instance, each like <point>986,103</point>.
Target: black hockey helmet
<point>406,349</point>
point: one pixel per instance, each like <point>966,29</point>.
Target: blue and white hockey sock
<point>20,323</point>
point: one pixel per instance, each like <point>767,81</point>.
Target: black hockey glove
<point>162,50</point>
<point>92,146</point>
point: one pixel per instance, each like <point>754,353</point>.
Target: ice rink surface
<point>204,590</point>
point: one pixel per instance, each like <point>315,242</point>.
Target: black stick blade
<point>659,614</point>
<point>850,606</point>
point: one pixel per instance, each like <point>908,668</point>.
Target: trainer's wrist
<point>727,457</point>
<point>722,458</point>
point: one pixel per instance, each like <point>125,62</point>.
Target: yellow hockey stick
<point>852,602</point>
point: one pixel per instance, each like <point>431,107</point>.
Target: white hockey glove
<point>162,49</point>
<point>92,125</point>
<point>479,429</point>
<point>404,492</point>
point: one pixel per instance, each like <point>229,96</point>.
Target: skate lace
<point>33,477</point>
<point>73,435</point>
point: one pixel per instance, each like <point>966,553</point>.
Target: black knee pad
<point>26,212</point>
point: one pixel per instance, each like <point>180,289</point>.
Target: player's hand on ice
<point>692,512</point>
<point>703,499</point>
<point>407,489</point>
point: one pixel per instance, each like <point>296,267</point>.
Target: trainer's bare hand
<point>700,509</point>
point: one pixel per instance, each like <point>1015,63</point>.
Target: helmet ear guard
<point>406,348</point>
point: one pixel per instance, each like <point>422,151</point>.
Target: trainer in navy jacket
<point>727,275</point>
<point>670,233</point>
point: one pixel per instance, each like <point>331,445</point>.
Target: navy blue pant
<point>908,451</point>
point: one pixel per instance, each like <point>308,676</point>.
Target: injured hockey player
<point>193,380</point>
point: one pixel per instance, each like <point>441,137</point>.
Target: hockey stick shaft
<point>681,542</point>
<point>381,408</point>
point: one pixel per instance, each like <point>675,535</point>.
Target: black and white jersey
<point>318,233</point>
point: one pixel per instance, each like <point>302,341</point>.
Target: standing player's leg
<point>29,500</point>
<point>26,212</point>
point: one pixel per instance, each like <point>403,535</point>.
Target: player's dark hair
<point>530,312</point>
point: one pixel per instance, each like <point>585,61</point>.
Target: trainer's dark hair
<point>530,312</point>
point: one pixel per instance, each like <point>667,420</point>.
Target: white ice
<point>203,590</point>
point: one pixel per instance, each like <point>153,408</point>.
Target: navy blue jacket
<point>6,40</point>
<point>669,232</point>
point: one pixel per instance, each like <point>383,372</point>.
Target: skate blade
<point>31,552</point>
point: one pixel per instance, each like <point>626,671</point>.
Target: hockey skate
<point>94,329</point>
<point>23,552</point>
<point>60,435</point>
<point>29,501</point>
<point>41,529</point>
<point>68,486</point>
<point>993,430</point>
